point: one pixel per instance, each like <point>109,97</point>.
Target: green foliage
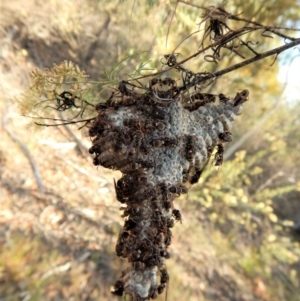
<point>243,210</point>
<point>113,76</point>
<point>23,262</point>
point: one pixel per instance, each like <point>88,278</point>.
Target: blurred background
<point>59,218</point>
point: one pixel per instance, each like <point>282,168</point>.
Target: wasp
<point>109,103</point>
<point>164,189</point>
<point>171,59</point>
<point>153,112</point>
<point>179,189</point>
<point>133,123</point>
<point>240,98</point>
<point>132,211</point>
<point>185,176</point>
<point>168,237</point>
<point>198,169</point>
<point>170,142</point>
<point>193,106</point>
<point>168,81</point>
<point>167,204</point>
<point>177,215</point>
<point>153,293</point>
<point>101,106</point>
<point>166,141</point>
<point>159,239</point>
<point>135,146</point>
<point>118,288</point>
<point>107,159</point>
<point>123,88</point>
<point>120,246</point>
<point>154,81</point>
<point>165,254</point>
<point>218,160</point>
<point>145,195</point>
<point>216,27</point>
<point>223,98</point>
<point>159,221</point>
<point>195,178</point>
<point>152,261</point>
<point>125,186</point>
<point>157,113</point>
<point>118,146</point>
<point>199,99</point>
<point>129,224</point>
<point>135,255</point>
<point>225,136</point>
<point>164,276</point>
<point>190,148</point>
<point>119,192</point>
<point>96,161</point>
<point>138,265</point>
<point>161,288</point>
<point>204,97</point>
<point>128,101</point>
<point>170,223</point>
<point>99,127</point>
<point>94,131</point>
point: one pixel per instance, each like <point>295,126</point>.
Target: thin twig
<point>82,149</point>
<point>174,12</point>
<point>57,119</point>
<point>258,57</point>
<point>26,152</point>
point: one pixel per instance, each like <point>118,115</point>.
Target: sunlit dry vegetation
<point>59,218</point>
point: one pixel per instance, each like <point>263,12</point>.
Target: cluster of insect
<point>160,137</point>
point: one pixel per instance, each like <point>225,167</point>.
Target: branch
<point>80,147</point>
<point>66,121</point>
<point>26,152</point>
<point>257,57</point>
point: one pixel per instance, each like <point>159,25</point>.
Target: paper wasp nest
<point>161,141</point>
